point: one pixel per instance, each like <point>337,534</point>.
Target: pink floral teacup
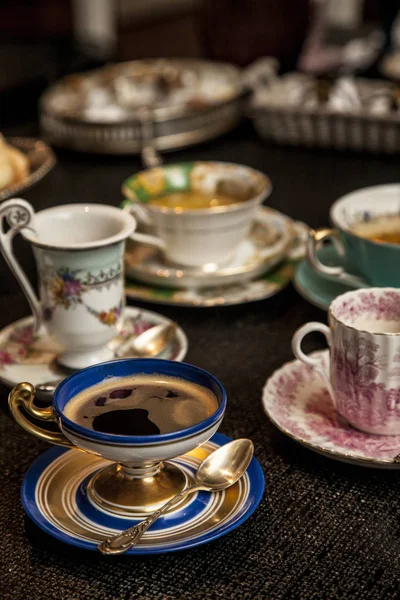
<point>364,341</point>
<point>79,254</point>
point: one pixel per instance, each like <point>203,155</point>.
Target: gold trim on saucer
<point>60,499</point>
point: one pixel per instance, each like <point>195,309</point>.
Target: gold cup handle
<point>23,395</point>
<point>315,238</point>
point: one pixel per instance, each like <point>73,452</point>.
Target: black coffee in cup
<point>141,405</point>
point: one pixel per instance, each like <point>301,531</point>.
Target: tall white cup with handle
<point>79,254</point>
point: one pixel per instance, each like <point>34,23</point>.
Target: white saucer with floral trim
<point>297,402</point>
<point>33,358</point>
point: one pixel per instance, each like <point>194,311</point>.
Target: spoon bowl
<point>150,343</point>
<point>217,472</point>
<point>226,465</point>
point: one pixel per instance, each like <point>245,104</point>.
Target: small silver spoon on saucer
<point>148,344</point>
<point>220,470</point>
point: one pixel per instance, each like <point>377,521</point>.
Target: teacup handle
<point>314,240</point>
<point>18,214</point>
<point>144,238</point>
<point>314,361</point>
<point>23,395</point>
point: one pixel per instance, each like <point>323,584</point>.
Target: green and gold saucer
<point>261,288</point>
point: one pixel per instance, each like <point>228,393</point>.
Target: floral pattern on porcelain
<point>157,181</point>
<point>204,176</point>
<point>20,348</point>
<point>66,288</point>
<point>365,371</point>
<point>153,181</point>
<point>359,397</point>
<point>24,347</point>
<point>108,317</point>
<point>296,400</point>
<point>366,393</point>
<point>381,305</point>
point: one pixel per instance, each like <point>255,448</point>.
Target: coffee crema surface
<point>141,405</point>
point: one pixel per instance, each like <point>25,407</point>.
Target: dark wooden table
<point>323,529</point>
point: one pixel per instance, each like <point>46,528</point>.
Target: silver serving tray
<point>156,127</point>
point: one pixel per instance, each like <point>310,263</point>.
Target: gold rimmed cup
<point>201,236</point>
<point>141,478</point>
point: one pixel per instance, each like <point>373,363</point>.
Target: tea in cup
<point>79,252</point>
<point>364,341</point>
<point>137,413</point>
<point>199,212</point>
<point>367,233</point>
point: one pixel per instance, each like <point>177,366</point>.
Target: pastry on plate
<point>14,165</point>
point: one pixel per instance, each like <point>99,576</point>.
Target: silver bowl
<point>41,160</point>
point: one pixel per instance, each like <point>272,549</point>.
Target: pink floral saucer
<point>28,357</point>
<point>297,402</point>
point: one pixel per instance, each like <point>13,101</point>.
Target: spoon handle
<point>121,542</point>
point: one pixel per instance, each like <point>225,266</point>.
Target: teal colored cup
<point>365,262</point>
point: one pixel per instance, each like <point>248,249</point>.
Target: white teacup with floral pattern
<point>364,341</point>
<point>79,254</point>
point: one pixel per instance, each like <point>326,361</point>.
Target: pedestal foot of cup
<point>136,492</point>
<point>81,360</point>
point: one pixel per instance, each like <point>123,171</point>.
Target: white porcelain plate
<point>28,357</point>
<point>297,402</point>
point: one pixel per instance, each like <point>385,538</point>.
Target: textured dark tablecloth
<point>323,529</point>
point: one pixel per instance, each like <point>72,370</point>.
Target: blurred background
<point>40,40</point>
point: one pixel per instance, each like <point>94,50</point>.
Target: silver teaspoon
<point>148,344</point>
<point>220,470</point>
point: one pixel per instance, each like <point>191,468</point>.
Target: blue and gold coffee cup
<point>366,232</point>
<point>140,477</point>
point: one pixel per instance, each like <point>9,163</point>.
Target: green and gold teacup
<point>216,205</point>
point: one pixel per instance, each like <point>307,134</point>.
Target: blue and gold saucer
<point>316,288</point>
<point>54,497</point>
